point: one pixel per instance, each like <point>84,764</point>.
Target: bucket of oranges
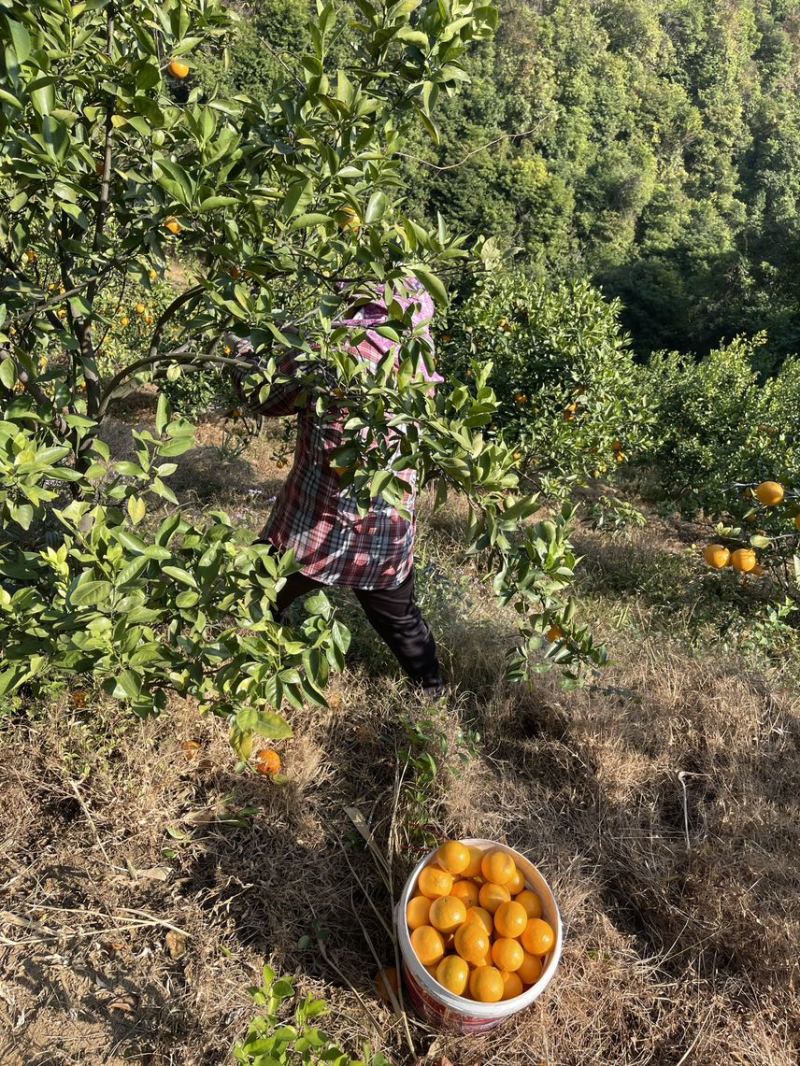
<point>480,935</point>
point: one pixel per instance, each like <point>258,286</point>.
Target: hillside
<point>651,146</point>
<point>659,800</point>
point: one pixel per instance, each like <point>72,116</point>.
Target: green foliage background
<point>650,145</point>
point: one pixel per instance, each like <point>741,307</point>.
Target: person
<point>317,517</point>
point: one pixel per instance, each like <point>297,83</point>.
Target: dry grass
<point>660,801</point>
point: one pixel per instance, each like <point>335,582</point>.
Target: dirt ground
<point>144,882</point>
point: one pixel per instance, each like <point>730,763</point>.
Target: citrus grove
<point>114,165</point>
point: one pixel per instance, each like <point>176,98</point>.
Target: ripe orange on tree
<point>174,226</point>
<point>538,937</point>
<point>717,555</point>
<point>770,493</point>
<point>347,219</point>
<point>554,634</point>
<point>178,69</point>
<point>435,882</point>
<point>744,560</point>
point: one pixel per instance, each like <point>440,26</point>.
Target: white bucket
<point>445,1010</point>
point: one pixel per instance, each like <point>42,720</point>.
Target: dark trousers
<point>395,616</point>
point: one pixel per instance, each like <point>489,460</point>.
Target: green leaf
<point>21,39</point>
<point>8,373</point>
<point>180,574</point>
<point>298,196</point>
<point>432,283</point>
<point>213,202</point>
<point>162,413</point>
<point>137,509</point>
<point>7,98</point>
<point>90,593</point>
<point>272,726</point>
<point>376,206</point>
<point>305,221</point>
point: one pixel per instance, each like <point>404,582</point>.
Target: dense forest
<point>650,145</point>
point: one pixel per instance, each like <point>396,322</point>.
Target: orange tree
<point>570,396</point>
<point>111,165</point>
<point>758,539</point>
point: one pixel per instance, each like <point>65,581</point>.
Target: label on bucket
<point>438,1014</point>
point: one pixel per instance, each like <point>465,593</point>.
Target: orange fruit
<point>453,974</point>
<point>531,969</point>
<point>178,69</point>
<point>770,493</point>
<point>472,942</point>
<point>428,943</point>
<point>744,560</point>
<point>125,321</point>
<point>554,634</point>
<point>418,912</point>
<point>453,856</point>
<point>493,896</point>
<point>385,980</point>
<point>467,892</point>
<point>268,762</point>
<point>510,920</point>
<point>717,555</point>
<point>538,937</point>
<point>448,913</point>
<point>507,954</point>
<point>347,218</point>
<point>475,859</point>
<point>517,882</point>
<point>486,984</point>
<point>498,867</point>
<point>140,309</point>
<point>173,225</point>
<point>435,882</point>
<point>512,985</point>
<point>479,914</point>
<point>531,902</point>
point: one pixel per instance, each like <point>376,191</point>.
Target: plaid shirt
<point>314,515</point>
